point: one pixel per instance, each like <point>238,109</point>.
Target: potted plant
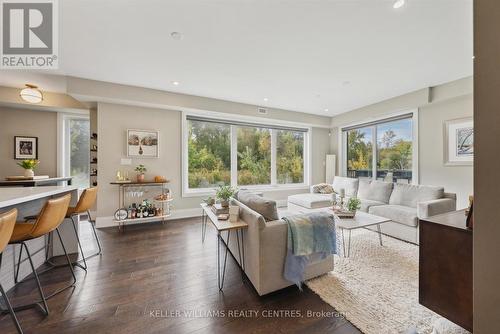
<point>29,165</point>
<point>141,169</point>
<point>210,201</point>
<point>353,204</point>
<point>224,193</point>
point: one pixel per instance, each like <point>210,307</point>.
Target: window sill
<point>265,189</point>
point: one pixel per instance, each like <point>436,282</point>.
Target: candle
<point>342,192</point>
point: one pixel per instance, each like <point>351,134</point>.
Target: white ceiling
<point>302,55</point>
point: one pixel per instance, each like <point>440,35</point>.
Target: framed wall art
<point>25,147</point>
<point>459,142</point>
<point>142,143</point>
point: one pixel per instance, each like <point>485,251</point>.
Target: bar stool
<point>7,222</point>
<point>49,219</point>
<point>85,203</point>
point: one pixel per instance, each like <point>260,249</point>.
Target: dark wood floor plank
<point>165,268</point>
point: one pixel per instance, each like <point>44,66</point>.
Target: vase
<point>29,173</point>
<point>140,177</point>
<point>224,203</point>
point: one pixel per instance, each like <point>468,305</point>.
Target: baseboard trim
<point>107,221</point>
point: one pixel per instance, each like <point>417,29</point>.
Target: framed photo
<point>143,143</point>
<point>459,142</point>
<point>25,147</point>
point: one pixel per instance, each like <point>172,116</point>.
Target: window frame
<point>63,146</point>
<point>273,186</point>
<point>382,119</point>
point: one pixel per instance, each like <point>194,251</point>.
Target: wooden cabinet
<point>445,267</point>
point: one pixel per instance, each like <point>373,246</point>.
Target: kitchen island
<point>29,201</point>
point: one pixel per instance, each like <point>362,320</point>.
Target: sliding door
<point>381,150</point>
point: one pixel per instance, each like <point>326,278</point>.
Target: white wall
<point>32,123</point>
<point>445,102</point>
<point>457,179</point>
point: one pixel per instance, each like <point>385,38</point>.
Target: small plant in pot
<point>140,169</point>
<point>224,193</point>
<point>210,201</point>
<point>29,165</point>
<point>353,204</point>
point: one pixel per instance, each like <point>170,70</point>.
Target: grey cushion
<point>397,213</point>
<point>311,201</point>
<point>367,203</point>
<point>264,206</point>
<point>349,184</point>
<point>410,195</point>
<point>375,190</point>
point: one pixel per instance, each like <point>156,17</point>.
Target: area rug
<point>376,288</point>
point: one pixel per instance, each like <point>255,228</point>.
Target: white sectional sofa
<point>404,204</point>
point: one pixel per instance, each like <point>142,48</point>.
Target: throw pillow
<point>264,206</point>
<point>322,188</point>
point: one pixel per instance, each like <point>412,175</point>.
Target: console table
<point>221,226</point>
<point>445,267</point>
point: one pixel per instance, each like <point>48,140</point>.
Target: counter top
<point>13,196</point>
<point>36,182</point>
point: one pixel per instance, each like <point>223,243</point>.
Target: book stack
<point>218,209</point>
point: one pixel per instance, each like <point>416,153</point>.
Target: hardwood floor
<point>152,278</point>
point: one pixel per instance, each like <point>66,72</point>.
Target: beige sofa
<point>265,252</point>
<point>404,204</point>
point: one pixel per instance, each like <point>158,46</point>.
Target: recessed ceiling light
<point>326,110</point>
<point>398,4</point>
<point>266,99</point>
<point>176,35</point>
<point>175,83</point>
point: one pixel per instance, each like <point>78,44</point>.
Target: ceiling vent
<point>262,111</point>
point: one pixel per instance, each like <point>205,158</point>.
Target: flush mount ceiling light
<point>326,110</point>
<point>266,99</point>
<point>176,35</point>
<point>31,94</point>
<point>175,83</point>
<point>398,4</point>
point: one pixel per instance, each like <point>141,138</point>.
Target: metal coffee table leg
<point>379,234</point>
<point>343,242</point>
<point>349,245</point>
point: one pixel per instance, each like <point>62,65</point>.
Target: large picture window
<point>381,150</point>
<point>290,156</point>
<point>254,156</point>
<point>242,154</point>
<point>209,150</point>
